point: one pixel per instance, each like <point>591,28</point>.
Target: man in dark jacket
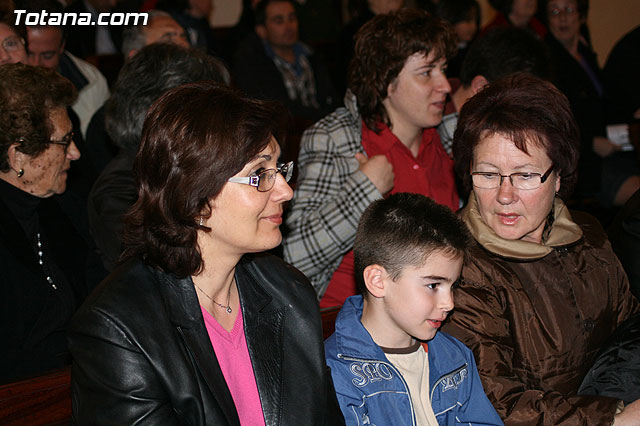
<point>273,64</point>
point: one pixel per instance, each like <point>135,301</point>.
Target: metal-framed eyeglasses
<point>265,180</point>
<point>12,43</point>
<point>526,181</point>
<point>65,141</point>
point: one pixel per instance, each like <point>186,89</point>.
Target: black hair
<point>504,51</point>
<point>260,11</point>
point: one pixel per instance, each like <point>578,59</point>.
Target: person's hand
<point>379,171</point>
<point>630,416</point>
<point>604,147</point>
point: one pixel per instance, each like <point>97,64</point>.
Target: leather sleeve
<point>129,394</point>
<point>481,322</point>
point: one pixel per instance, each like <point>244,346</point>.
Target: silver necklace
<point>41,262</point>
<point>226,307</point>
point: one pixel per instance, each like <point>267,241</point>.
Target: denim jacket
<point>371,391</point>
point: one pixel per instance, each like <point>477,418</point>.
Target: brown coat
<point>535,316</point>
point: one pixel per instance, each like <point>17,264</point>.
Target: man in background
<point>273,64</point>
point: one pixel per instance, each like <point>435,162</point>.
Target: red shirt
<point>430,173</point>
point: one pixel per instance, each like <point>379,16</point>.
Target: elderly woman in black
<point>197,327</point>
<point>541,290</point>
<point>45,260</point>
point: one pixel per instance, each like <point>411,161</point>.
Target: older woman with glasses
<point>12,48</point>
<point>541,290</point>
<point>46,262</point>
<point>197,326</point>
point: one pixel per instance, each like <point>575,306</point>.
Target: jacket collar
<point>564,232</point>
<point>68,68</point>
<point>263,322</point>
<point>182,305</point>
<point>351,104</point>
<point>264,317</point>
<point>352,339</point>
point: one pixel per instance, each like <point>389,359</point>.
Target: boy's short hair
<point>382,47</point>
<point>403,230</point>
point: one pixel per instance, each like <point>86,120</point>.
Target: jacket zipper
<point>413,414</point>
<point>444,376</point>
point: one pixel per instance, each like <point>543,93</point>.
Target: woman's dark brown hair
<point>383,45</point>
<point>27,96</point>
<point>526,110</point>
<point>194,138</point>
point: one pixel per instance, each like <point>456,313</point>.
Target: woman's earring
<point>20,173</point>
<point>201,221</point>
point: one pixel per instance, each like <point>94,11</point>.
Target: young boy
<point>408,255</point>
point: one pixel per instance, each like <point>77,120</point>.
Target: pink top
<point>233,357</point>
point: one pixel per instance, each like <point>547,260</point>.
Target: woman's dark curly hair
<point>194,138</point>
<point>27,96</point>
<point>383,45</point>
<point>525,110</point>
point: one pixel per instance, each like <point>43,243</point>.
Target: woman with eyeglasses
<point>541,290</point>
<point>12,48</point>
<point>198,326</point>
<point>46,267</point>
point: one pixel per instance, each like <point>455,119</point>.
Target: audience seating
<point>42,400</point>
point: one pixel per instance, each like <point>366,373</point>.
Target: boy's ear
<point>374,279</point>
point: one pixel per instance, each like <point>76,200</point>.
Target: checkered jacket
<point>446,129</point>
<point>331,195</point>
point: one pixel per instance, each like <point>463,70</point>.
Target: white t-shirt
<point>413,364</point>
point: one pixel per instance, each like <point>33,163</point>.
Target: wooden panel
<point>43,400</point>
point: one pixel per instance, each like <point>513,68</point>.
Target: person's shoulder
<point>331,348</point>
<point>130,287</point>
<point>444,343</point>
<point>90,71</point>
<point>477,264</point>
<point>593,232</point>
<point>340,119</point>
<point>249,49</point>
<point>279,277</point>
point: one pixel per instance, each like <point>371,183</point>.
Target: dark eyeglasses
<point>526,181</point>
<point>65,141</point>
<point>265,180</point>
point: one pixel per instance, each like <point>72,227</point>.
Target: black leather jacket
<point>142,354</point>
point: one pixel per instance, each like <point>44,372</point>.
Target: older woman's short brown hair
<point>383,45</point>
<point>27,96</point>
<point>524,109</point>
<point>194,138</point>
